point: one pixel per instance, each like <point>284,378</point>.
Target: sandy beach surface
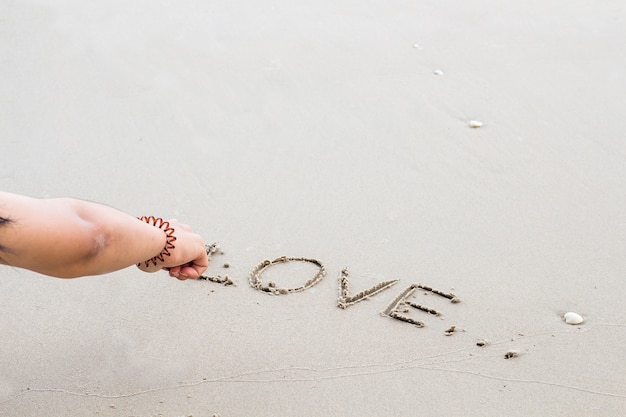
<point>337,131</point>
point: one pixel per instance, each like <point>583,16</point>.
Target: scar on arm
<point>3,221</point>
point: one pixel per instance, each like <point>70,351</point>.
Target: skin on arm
<point>68,238</point>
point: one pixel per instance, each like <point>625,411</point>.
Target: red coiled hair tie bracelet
<point>169,238</point>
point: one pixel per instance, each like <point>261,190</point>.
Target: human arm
<point>68,238</point>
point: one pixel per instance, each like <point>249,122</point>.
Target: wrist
<point>168,231</point>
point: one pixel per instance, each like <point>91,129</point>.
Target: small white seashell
<point>437,72</point>
<point>475,123</point>
<point>572,318</point>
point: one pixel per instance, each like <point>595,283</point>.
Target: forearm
<point>122,240</point>
<point>70,238</point>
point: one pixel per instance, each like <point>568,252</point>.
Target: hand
<point>188,259</point>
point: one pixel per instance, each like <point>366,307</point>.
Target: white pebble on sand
<point>475,123</point>
<point>572,318</point>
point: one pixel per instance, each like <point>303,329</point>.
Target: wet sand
<point>337,132</point>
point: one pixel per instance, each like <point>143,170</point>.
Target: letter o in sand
<point>255,275</point>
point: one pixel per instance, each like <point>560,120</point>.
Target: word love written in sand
<point>397,309</point>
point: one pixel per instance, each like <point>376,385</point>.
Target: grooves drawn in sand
<point>345,300</point>
<point>255,276</point>
<point>226,281</point>
<point>453,298</point>
<point>402,300</point>
<point>392,308</point>
<point>423,308</point>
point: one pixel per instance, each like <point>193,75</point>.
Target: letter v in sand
<point>345,300</point>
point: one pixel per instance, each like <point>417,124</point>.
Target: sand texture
<point>473,148</point>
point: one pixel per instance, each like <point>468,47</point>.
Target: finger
<point>190,272</point>
<point>201,262</point>
<point>174,271</point>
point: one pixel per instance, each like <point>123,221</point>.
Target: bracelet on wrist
<point>169,238</point>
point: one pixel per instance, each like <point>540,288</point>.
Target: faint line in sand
<point>360,370</point>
